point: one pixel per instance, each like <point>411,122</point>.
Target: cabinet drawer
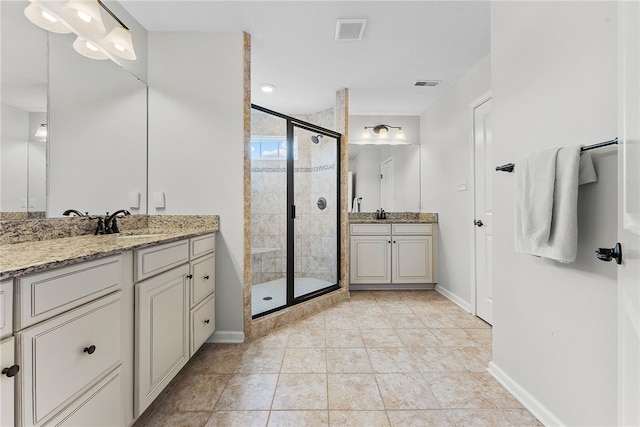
<point>6,308</point>
<point>156,259</point>
<point>101,405</point>
<point>412,229</point>
<point>65,355</point>
<point>203,323</point>
<point>202,245</point>
<point>371,229</point>
<point>203,278</point>
<point>44,295</point>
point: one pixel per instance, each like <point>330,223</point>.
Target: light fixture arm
<point>113,15</point>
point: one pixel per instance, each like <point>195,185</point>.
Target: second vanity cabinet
<point>392,254</point>
<point>175,310</point>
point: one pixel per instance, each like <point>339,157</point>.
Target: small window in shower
<point>271,147</point>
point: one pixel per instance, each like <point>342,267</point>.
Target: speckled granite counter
<point>394,217</point>
<point>18,259</point>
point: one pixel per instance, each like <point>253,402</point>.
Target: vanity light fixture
<point>83,17</point>
<point>381,136</point>
<point>41,132</point>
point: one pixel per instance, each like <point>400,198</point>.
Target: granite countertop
<point>394,218</point>
<point>18,259</point>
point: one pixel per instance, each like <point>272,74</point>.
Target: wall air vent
<point>427,83</point>
<point>350,29</point>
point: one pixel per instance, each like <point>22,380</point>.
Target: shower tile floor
<point>383,358</point>
<point>269,295</point>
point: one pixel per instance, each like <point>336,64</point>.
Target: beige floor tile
<point>478,417</point>
<point>406,391</point>
<point>304,361</point>
<point>312,338</point>
<point>301,391</point>
<point>417,337</point>
<point>381,338</point>
<point>196,393</point>
<point>178,419</point>
<point>429,357</point>
<point>392,360</point>
<point>344,338</point>
<point>258,360</point>
<point>341,321</point>
<point>372,321</point>
<point>406,320</point>
<point>427,417</point>
<point>215,359</point>
<point>358,419</point>
<point>461,390</point>
<point>348,361</point>
<point>453,337</point>
<point>238,419</point>
<point>248,392</point>
<point>354,392</point>
<point>298,418</point>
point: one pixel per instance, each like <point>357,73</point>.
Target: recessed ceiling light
<point>267,88</point>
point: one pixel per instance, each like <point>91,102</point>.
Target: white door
<point>629,216</point>
<point>483,222</point>
<point>386,185</point>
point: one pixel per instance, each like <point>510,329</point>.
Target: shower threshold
<point>273,294</point>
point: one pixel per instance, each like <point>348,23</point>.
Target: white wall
<point>196,147</point>
<point>446,158</point>
<point>554,84</point>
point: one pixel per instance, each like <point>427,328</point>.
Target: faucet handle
<point>100,227</point>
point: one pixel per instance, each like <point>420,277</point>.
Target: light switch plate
<point>134,200</point>
<point>158,200</point>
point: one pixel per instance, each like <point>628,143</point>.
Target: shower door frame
<point>293,123</point>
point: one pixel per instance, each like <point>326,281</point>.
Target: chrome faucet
<point>110,223</point>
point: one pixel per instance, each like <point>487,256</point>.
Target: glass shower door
<point>315,226</point>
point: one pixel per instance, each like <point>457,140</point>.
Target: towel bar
<point>510,166</point>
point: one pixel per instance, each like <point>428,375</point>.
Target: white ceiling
<point>293,47</point>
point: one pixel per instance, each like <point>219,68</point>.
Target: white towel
<point>536,178</point>
<point>571,170</point>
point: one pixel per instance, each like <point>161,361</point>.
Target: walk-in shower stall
<point>295,213</point>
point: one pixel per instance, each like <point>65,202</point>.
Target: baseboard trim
<point>538,410</point>
<point>226,337</point>
<point>454,298</point>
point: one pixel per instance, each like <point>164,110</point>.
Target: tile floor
<point>384,358</point>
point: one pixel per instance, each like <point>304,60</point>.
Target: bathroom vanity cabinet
<point>175,310</point>
<point>93,343</point>
<point>73,346</point>
<point>392,255</point>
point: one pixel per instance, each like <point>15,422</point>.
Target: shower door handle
<point>293,211</point>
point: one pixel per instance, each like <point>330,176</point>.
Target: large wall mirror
<point>96,116</point>
<point>383,175</point>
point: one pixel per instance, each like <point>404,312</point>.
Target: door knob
<point>478,222</point>
<point>607,255</point>
<point>11,371</point>
<point>90,349</point>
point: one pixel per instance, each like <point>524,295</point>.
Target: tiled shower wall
<point>316,230</point>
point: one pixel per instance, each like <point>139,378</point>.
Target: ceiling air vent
<point>427,83</point>
<point>350,29</point>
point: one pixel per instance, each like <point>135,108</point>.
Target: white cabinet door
<point>412,259</point>
<point>162,335</point>
<point>370,259</point>
<point>64,356</point>
<point>7,383</point>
